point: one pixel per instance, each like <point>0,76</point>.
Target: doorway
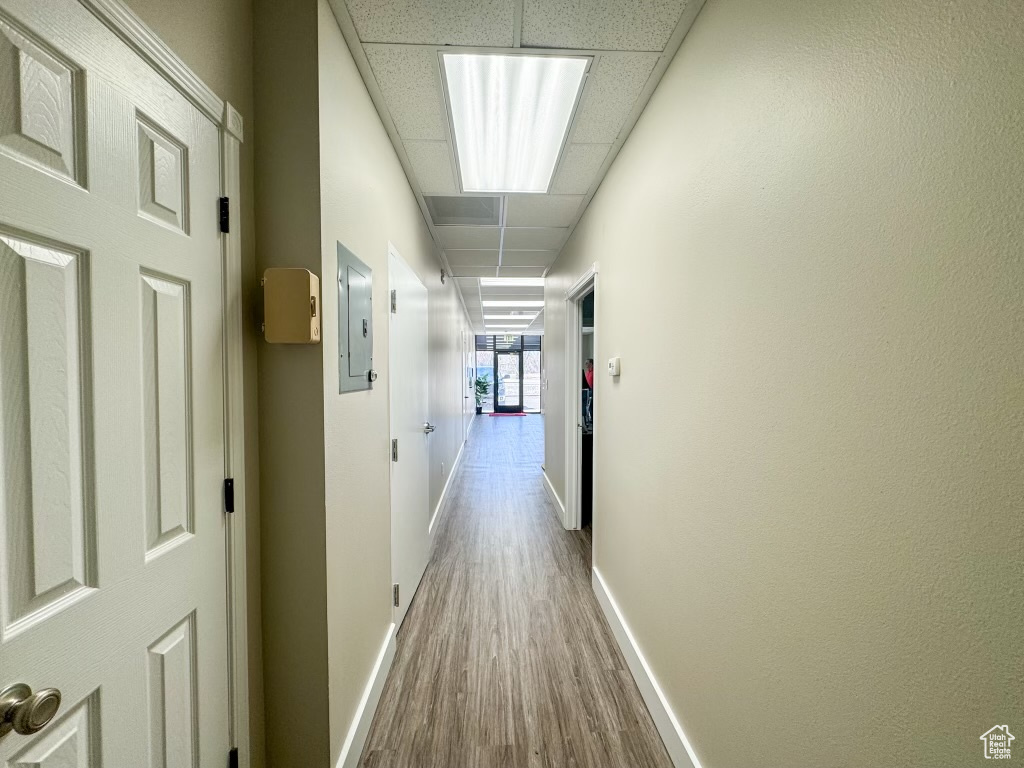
<point>587,410</point>
<point>508,368</point>
<point>582,393</point>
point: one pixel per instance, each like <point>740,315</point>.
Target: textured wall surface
<point>366,203</point>
<point>809,496</point>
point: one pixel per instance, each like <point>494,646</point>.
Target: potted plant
<point>483,389</point>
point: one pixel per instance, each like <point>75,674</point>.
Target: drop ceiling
<point>396,44</point>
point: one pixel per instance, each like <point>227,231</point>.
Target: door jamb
<point>586,283</point>
<point>127,25</point>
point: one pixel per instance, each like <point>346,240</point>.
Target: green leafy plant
<point>483,388</point>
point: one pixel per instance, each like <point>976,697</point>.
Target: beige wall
<point>366,203</point>
<point>214,38</point>
<point>809,497</point>
<point>291,408</point>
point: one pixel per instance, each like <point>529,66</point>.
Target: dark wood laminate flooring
<point>505,658</point>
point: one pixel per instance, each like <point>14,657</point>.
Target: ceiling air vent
<point>464,211</point>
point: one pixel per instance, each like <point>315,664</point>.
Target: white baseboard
<point>554,497</point>
<point>352,750</point>
<point>444,491</point>
<point>678,746</point>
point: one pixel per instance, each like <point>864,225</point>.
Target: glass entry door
<point>508,369</point>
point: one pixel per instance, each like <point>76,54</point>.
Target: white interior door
<point>410,482</point>
<point>112,531</point>
<point>469,393</point>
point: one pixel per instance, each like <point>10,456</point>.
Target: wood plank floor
<point>505,658</point>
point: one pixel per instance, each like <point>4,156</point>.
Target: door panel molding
<point>131,30</point>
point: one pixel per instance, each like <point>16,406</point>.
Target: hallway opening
<point>509,365</point>
<point>505,657</point>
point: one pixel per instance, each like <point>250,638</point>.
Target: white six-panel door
<point>112,532</point>
<point>410,481</point>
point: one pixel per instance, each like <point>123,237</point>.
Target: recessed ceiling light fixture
<point>512,282</point>
<point>511,304</point>
<point>510,115</point>
<point>528,316</point>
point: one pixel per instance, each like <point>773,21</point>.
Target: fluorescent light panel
<point>511,304</point>
<point>531,317</point>
<point>511,282</point>
<point>510,115</point>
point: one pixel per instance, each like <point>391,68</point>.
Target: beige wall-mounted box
<point>291,306</point>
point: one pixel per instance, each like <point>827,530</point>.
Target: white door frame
<point>468,390</point>
<point>133,31</point>
<point>586,283</point>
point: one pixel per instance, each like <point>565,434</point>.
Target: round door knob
<point>25,712</point>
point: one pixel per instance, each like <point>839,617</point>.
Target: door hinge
<point>229,494</point>
<point>394,449</point>
<point>233,758</point>
<point>394,302</point>
<point>225,215</point>
<point>394,595</point>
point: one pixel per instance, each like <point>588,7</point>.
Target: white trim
<point>573,517</point>
<point>352,750</point>
<point>232,122</point>
<point>140,38</point>
<point>234,430</point>
<point>679,748</point>
<point>444,491</point>
<point>550,487</point>
<point>579,288</point>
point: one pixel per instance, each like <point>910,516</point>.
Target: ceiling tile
<point>578,171</point>
<point>528,258</point>
<point>613,87</point>
<point>474,271</point>
<point>521,271</point>
<point>542,210</point>
<point>472,258</point>
<point>434,22</point>
<point>535,238</point>
<point>410,80</point>
<point>432,166</point>
<point>610,25</point>
<point>473,238</point>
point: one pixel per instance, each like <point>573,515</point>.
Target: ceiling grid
<point>397,46</point>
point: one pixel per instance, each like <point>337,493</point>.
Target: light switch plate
<point>614,366</point>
